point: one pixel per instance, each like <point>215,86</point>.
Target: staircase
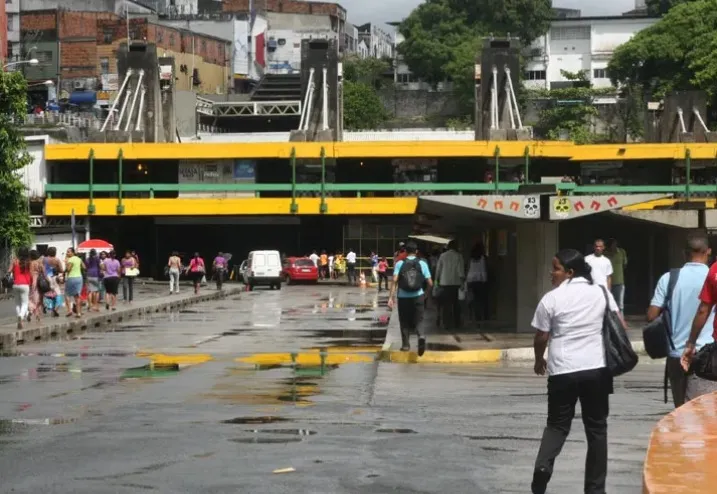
<point>278,87</point>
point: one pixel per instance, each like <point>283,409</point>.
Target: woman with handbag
<point>196,271</point>
<point>571,317</point>
<point>129,272</point>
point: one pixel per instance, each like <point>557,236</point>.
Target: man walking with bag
<point>676,300</point>
<point>450,276</point>
<point>409,276</point>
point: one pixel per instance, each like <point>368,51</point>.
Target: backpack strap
<point>674,276</point>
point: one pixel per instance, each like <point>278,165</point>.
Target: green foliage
<point>442,38</point>
<point>363,109</point>
<point>676,53</point>
<point>661,7</point>
<point>464,123</point>
<point>570,111</point>
<point>370,70</point>
<point>14,219</point>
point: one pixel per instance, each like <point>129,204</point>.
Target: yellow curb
<point>184,359</point>
<point>462,357</point>
<point>306,358</point>
<point>347,349</point>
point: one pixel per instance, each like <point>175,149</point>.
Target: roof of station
<point>391,149</point>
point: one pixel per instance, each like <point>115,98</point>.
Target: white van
<point>263,267</point>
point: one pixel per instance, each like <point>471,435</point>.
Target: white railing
<point>410,135</point>
<point>64,119</point>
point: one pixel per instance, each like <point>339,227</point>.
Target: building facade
<point>8,20</point>
<point>379,43</point>
<point>579,44</point>
<point>77,50</point>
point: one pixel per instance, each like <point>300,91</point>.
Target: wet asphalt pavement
<point>86,415</point>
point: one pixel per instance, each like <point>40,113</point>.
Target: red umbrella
<point>97,244</point>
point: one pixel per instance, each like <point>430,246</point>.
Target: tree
<point>676,53</point>
<point>15,218</point>
<point>661,7</point>
<point>363,109</point>
<point>369,70</point>
<point>442,38</point>
<point>570,112</point>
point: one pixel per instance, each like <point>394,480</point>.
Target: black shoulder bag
<point>657,335</point>
<point>620,358</point>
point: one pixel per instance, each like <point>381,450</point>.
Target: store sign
<point>110,82</point>
<point>204,172</point>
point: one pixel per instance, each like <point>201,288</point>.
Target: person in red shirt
<point>382,273</point>
<point>22,281</point>
<point>697,386</point>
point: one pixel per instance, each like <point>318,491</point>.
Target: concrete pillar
<point>537,243</point>
<point>676,241</point>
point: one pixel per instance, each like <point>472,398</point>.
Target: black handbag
<point>704,363</point>
<point>8,281</point>
<point>620,358</point>
<point>43,284</point>
<point>657,335</point>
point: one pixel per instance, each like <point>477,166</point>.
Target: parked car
<point>299,269</point>
<point>263,267</point>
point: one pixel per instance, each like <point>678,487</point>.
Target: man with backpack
<point>677,298</point>
<point>409,277</point>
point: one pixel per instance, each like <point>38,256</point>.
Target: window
<point>570,33</point>
<point>171,40</point>
<point>535,75</point>
<point>10,22</point>
<point>204,47</point>
<point>600,74</point>
<point>42,56</point>
<point>107,35</point>
<point>160,35</point>
<point>104,65</point>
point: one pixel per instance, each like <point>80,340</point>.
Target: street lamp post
<point>47,83</point>
<point>32,61</point>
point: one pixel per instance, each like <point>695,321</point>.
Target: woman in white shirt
<point>477,280</point>
<point>570,316</point>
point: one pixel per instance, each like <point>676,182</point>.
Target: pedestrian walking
<point>53,298</point>
<point>450,276</point>
<point>477,282</point>
<point>409,277</point>
<point>129,272</point>
<point>600,265</point>
<point>21,274</point>
<point>571,317</point>
<point>220,268</point>
<point>93,281</point>
<point>38,286</point>
<point>174,267</point>
<point>74,268</point>
<point>682,305</point>
<point>351,267</point>
<point>382,273</point>
<point>111,270</point>
<point>618,259</point>
<point>102,292</point>
<point>324,265</point>
<point>698,386</point>
<point>332,268</point>
<point>314,258</point>
<point>374,266</point>
<point>196,271</point>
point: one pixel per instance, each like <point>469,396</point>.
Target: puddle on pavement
<point>396,431</point>
<point>289,432</point>
<point>44,368</point>
<point>266,440</point>
<point>151,371</point>
<point>267,419</point>
<point>501,450</point>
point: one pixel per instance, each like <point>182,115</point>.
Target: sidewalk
<point>470,345</point>
<point>50,327</point>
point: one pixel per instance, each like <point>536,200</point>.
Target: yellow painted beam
<point>381,149</point>
<point>666,203</point>
<point>189,150</point>
<point>234,206</point>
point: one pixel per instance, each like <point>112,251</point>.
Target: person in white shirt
<point>450,276</point>
<point>314,258</point>
<point>351,267</point>
<point>571,317</point>
<point>331,266</point>
<point>600,264</point>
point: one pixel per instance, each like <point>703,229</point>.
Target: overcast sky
<point>382,11</point>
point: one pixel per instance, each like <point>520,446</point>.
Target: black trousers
<point>481,300</point>
<point>593,389</point>
<point>351,268</point>
<point>410,318</point>
<point>382,277</point>
<point>450,307</point>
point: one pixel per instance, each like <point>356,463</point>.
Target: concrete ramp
<point>567,208</point>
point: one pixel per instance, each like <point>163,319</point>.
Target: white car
<point>263,267</point>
